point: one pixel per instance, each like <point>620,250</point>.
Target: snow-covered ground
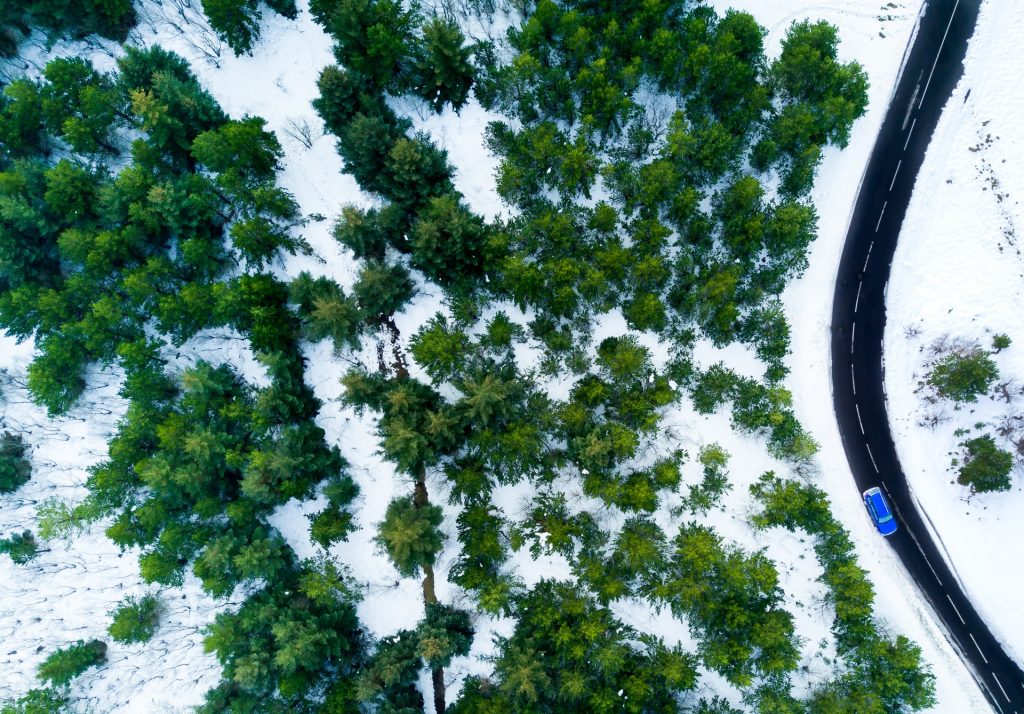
<point>959,272</point>
<point>277,83</point>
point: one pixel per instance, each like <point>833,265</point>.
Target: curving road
<point>933,66</point>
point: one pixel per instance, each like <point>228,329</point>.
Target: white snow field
<point>959,273</point>
<point>65,593</point>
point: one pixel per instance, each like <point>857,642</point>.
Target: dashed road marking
<point>857,407</point>
<point>856,302</point>
<point>853,336</point>
<point>962,622</point>
<point>977,647</point>
<point>1001,687</point>
<point>868,256</point>
<point>895,174</point>
<point>872,458</point>
<point>909,134</point>
<point>853,381</point>
<point>880,216</point>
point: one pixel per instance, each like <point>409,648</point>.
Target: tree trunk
<point>437,675</point>
<point>420,499</point>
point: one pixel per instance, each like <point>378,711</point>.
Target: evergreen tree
<point>410,535</point>
<point>442,71</point>
<point>986,467</point>
<point>445,632</point>
<point>237,22</point>
<point>65,664</point>
<point>80,105</point>
<point>135,619</point>
<point>964,375</point>
<point>38,701</point>
<point>374,37</point>
<point>382,289</point>
<point>15,469</point>
<point>325,310</point>
<point>449,242</point>
<point>22,547</point>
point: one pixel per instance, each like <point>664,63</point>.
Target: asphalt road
<point>933,66</point>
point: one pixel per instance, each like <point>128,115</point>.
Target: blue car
<point>878,509</point>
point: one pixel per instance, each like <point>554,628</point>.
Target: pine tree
<point>445,632</point>
<point>67,663</point>
<point>325,310</point>
<point>382,289</point>
<point>22,547</point>
<point>38,701</point>
<point>237,22</point>
<point>449,242</point>
<point>442,71</point>
<point>135,619</point>
<point>411,536</point>
<point>986,467</point>
<point>964,375</point>
<point>15,469</point>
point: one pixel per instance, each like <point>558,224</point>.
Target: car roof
<point>878,503</point>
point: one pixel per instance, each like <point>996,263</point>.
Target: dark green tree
<point>382,289</point>
<point>964,375</point>
<point>135,619</point>
<point>22,547</point>
<point>15,468</point>
<point>1000,342</point>
<point>38,701</point>
<point>410,535</point>
<point>442,73</point>
<point>325,310</point>
<point>445,632</point>
<point>449,242</point>
<point>985,467</point>
<point>67,663</point>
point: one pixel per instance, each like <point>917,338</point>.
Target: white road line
<point>853,381</point>
<point>1001,688</point>
<point>857,301</point>
<point>872,458</point>
<point>867,257</point>
<point>977,647</point>
<point>857,407</point>
<point>853,336</point>
<point>939,53</point>
<point>962,622</point>
<point>909,134</point>
<point>927,562</point>
<point>895,174</point>
<point>880,216</point>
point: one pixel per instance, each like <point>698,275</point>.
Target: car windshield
<point>885,518</point>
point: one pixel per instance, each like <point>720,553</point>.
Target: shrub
<point>986,467</point>
<point>964,375</point>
